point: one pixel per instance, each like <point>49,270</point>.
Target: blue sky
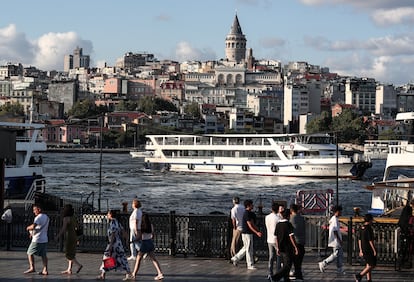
<point>365,38</point>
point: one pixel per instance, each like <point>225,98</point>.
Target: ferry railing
<point>205,235</point>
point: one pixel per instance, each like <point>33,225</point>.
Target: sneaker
<point>252,267</point>
<point>358,277</point>
<point>145,256</point>
<point>233,261</point>
<point>269,277</point>
<point>321,266</point>
<point>132,258</point>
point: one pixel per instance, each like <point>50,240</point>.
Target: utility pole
<point>100,163</point>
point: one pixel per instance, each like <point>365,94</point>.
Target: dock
<point>179,268</point>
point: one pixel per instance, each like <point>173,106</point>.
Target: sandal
<point>129,277</point>
<point>159,277</point>
<point>79,269</point>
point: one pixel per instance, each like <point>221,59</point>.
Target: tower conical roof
<point>236,28</point>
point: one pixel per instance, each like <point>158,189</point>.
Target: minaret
<point>236,43</point>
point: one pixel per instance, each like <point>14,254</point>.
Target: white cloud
<point>46,52</point>
<point>14,46</point>
<point>385,69</point>
<point>401,15</point>
<point>373,5</point>
<point>185,52</point>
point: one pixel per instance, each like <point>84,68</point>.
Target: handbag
<point>109,263</point>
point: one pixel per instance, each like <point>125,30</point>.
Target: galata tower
<point>236,43</point>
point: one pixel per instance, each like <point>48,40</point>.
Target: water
<point>74,176</point>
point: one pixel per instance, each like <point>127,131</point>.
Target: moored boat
<point>24,173</point>
<point>257,154</point>
<point>396,188</point>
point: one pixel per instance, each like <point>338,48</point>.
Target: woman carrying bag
<point>114,255</point>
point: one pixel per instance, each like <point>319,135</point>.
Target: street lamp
<point>337,169</point>
<point>100,163</point>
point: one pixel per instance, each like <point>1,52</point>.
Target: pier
<point>14,263</point>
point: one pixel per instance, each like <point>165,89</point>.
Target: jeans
<point>286,258</point>
<point>338,254</point>
<point>246,250</point>
<point>273,257</point>
<point>297,261</point>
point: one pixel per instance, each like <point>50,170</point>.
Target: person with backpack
<point>147,247</point>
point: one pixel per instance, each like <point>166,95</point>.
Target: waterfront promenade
<point>14,263</point>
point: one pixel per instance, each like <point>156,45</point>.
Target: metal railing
<point>203,235</point>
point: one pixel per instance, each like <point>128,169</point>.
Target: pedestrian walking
<point>147,247</point>
<point>114,249</point>
<point>299,231</point>
<point>270,221</point>
<point>286,247</point>
<point>236,215</point>
<point>38,245</point>
<point>69,225</point>
<point>367,249</point>
<point>335,242</point>
<point>248,229</point>
<point>135,229</point>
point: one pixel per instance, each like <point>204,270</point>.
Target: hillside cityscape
<point>239,93</point>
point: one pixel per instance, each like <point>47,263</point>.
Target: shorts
<point>38,249</point>
<point>147,246</point>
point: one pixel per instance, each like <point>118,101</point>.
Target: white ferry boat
<point>378,149</point>
<point>24,173</point>
<point>256,154</point>
<point>396,188</point>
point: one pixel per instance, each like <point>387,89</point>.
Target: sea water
<point>119,178</point>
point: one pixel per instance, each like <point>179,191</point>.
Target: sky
<point>363,38</point>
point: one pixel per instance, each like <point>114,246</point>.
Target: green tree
<point>193,109</point>
<point>127,106</point>
<point>150,105</point>
<point>86,108</point>
<point>12,109</point>
<point>321,123</point>
<point>350,127</point>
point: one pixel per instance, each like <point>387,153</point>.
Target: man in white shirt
<point>236,215</point>
<point>135,220</point>
<point>270,221</point>
<point>335,242</point>
<point>38,246</point>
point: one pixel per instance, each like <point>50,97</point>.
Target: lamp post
<point>337,169</point>
<point>100,163</point>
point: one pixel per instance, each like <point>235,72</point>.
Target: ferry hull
<point>350,170</point>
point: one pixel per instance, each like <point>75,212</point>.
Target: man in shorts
<point>38,246</point>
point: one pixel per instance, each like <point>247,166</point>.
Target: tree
<point>321,123</point>
<point>193,109</point>
<point>86,108</point>
<point>350,127</point>
<point>127,106</point>
<point>13,109</point>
